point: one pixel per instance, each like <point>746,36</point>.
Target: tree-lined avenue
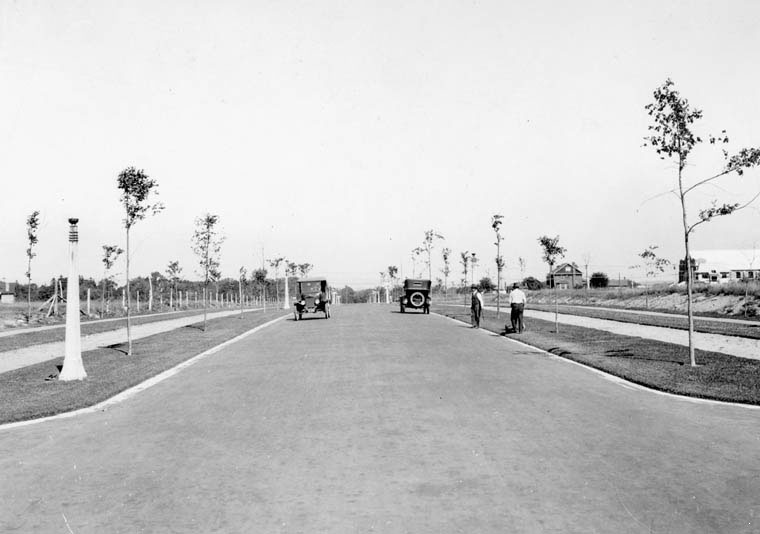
<point>379,421</point>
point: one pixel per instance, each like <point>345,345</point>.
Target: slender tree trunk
<point>29,290</point>
<point>240,292</point>
<point>103,296</point>
<point>689,290</point>
<point>498,276</point>
<point>129,301</point>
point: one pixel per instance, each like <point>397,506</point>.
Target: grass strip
<point>679,322</point>
<point>52,335</point>
<point>25,394</point>
<point>654,364</point>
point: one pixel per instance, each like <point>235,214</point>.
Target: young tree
<point>259,278</point>
<point>599,280</point>
<point>275,264</point>
<point>496,222</point>
<point>652,265</point>
<point>586,261</point>
<point>473,262</point>
<point>671,136</point>
<point>304,269</point>
<point>241,281</point>
<point>207,244</point>
<point>136,188</point>
<point>392,272</point>
<point>427,247</point>
<point>32,224</point>
<point>446,271</point>
<point>552,251</point>
<point>110,254</point>
<point>173,271</point>
<point>415,256</point>
<point>464,260</point>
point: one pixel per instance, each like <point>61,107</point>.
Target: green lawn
<point>25,394</point>
<point>658,365</point>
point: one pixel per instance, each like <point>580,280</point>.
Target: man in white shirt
<point>517,301</point>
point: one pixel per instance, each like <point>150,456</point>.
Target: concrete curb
<point>142,386</point>
<point>613,378</point>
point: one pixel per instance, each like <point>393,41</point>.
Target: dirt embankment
<point>717,305</point>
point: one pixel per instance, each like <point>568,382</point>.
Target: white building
<point>722,266</point>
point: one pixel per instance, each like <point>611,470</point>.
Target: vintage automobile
<point>313,295</point>
<point>416,295</point>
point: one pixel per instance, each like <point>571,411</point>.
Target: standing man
<point>477,306</point>
<point>517,301</point>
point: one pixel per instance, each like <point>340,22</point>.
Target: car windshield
<point>311,288</point>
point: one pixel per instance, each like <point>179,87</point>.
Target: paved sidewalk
<point>735,346</point>
<point>15,359</point>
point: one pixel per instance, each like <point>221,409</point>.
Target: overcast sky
<point>336,133</point>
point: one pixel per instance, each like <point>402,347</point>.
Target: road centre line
<point>142,386</point>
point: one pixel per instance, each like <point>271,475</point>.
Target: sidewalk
<point>14,359</point>
<point>735,346</point>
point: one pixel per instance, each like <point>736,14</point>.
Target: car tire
<point>417,299</point>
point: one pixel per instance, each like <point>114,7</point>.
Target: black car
<point>416,295</point>
<point>313,296</point>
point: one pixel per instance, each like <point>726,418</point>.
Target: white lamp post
<point>73,368</point>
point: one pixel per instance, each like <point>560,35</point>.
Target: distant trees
<point>136,187</point>
<point>110,254</point>
<point>32,224</point>
<point>671,136</point>
<point>259,278</point>
<point>486,284</point>
<point>464,261</point>
<point>653,264</point>
<point>207,245</point>
<point>532,283</point>
<point>599,280</point>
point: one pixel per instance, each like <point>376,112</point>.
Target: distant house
<point>615,283</point>
<point>723,266</point>
<point>565,276</point>
<point>7,292</point>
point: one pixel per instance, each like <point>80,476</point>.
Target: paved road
<point>374,421</point>
<point>15,359</point>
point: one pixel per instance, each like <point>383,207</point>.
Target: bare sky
<point>336,133</point>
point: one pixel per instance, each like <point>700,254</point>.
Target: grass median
<point>26,394</point>
<point>654,364</point>
<point>27,337</point>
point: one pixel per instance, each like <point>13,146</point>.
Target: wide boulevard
<point>376,421</point>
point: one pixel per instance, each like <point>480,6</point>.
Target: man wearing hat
<point>477,306</point>
<point>517,301</point>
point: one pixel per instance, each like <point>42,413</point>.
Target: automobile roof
<point>313,279</point>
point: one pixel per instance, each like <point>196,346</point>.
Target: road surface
<point>374,421</point>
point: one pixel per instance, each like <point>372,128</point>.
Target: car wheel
<point>417,299</point>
